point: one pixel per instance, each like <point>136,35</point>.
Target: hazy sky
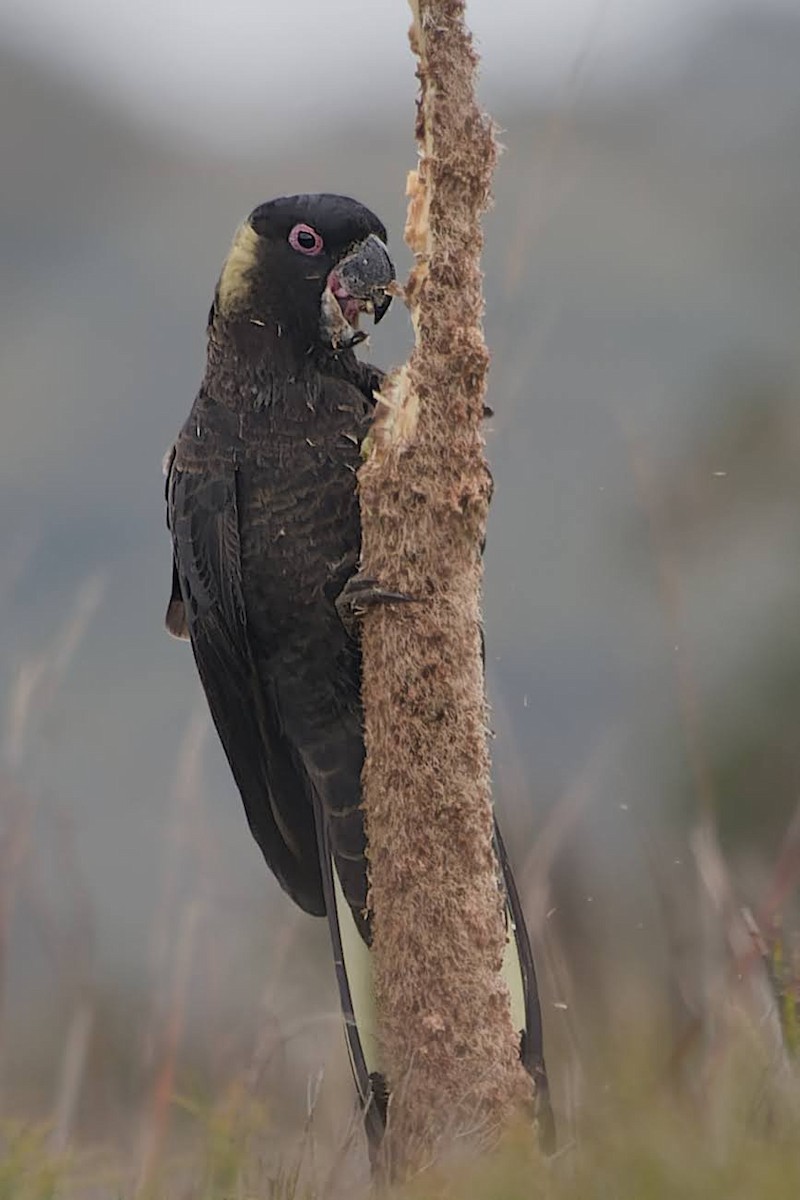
<point>212,67</point>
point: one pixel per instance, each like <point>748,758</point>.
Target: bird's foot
<point>359,594</point>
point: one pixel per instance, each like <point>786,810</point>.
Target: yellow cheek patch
<point>234,282</point>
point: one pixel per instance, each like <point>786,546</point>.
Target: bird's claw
<point>359,594</point>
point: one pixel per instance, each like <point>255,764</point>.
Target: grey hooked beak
<point>366,273</point>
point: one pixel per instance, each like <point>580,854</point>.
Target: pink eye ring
<point>305,239</point>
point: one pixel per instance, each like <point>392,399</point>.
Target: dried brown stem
<point>451,1053</point>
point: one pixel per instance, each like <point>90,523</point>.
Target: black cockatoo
<point>264,517</point>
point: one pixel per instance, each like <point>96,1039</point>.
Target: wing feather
<point>203,518</point>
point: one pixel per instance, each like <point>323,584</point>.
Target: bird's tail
<point>354,981</point>
<point>519,973</point>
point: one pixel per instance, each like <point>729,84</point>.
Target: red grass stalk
<point>156,1119</point>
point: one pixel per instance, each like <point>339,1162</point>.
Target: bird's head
<point>307,267</point>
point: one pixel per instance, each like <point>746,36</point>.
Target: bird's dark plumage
<point>264,518</point>
<point>263,512</point>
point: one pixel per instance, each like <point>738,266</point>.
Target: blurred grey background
<point>642,598</point>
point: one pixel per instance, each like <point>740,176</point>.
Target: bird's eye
<point>305,239</point>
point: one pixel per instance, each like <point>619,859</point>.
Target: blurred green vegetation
<point>631,1148</point>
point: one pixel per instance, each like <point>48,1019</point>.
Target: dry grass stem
<point>451,1052</point>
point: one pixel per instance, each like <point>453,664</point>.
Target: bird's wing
<point>175,619</point>
<point>208,604</point>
